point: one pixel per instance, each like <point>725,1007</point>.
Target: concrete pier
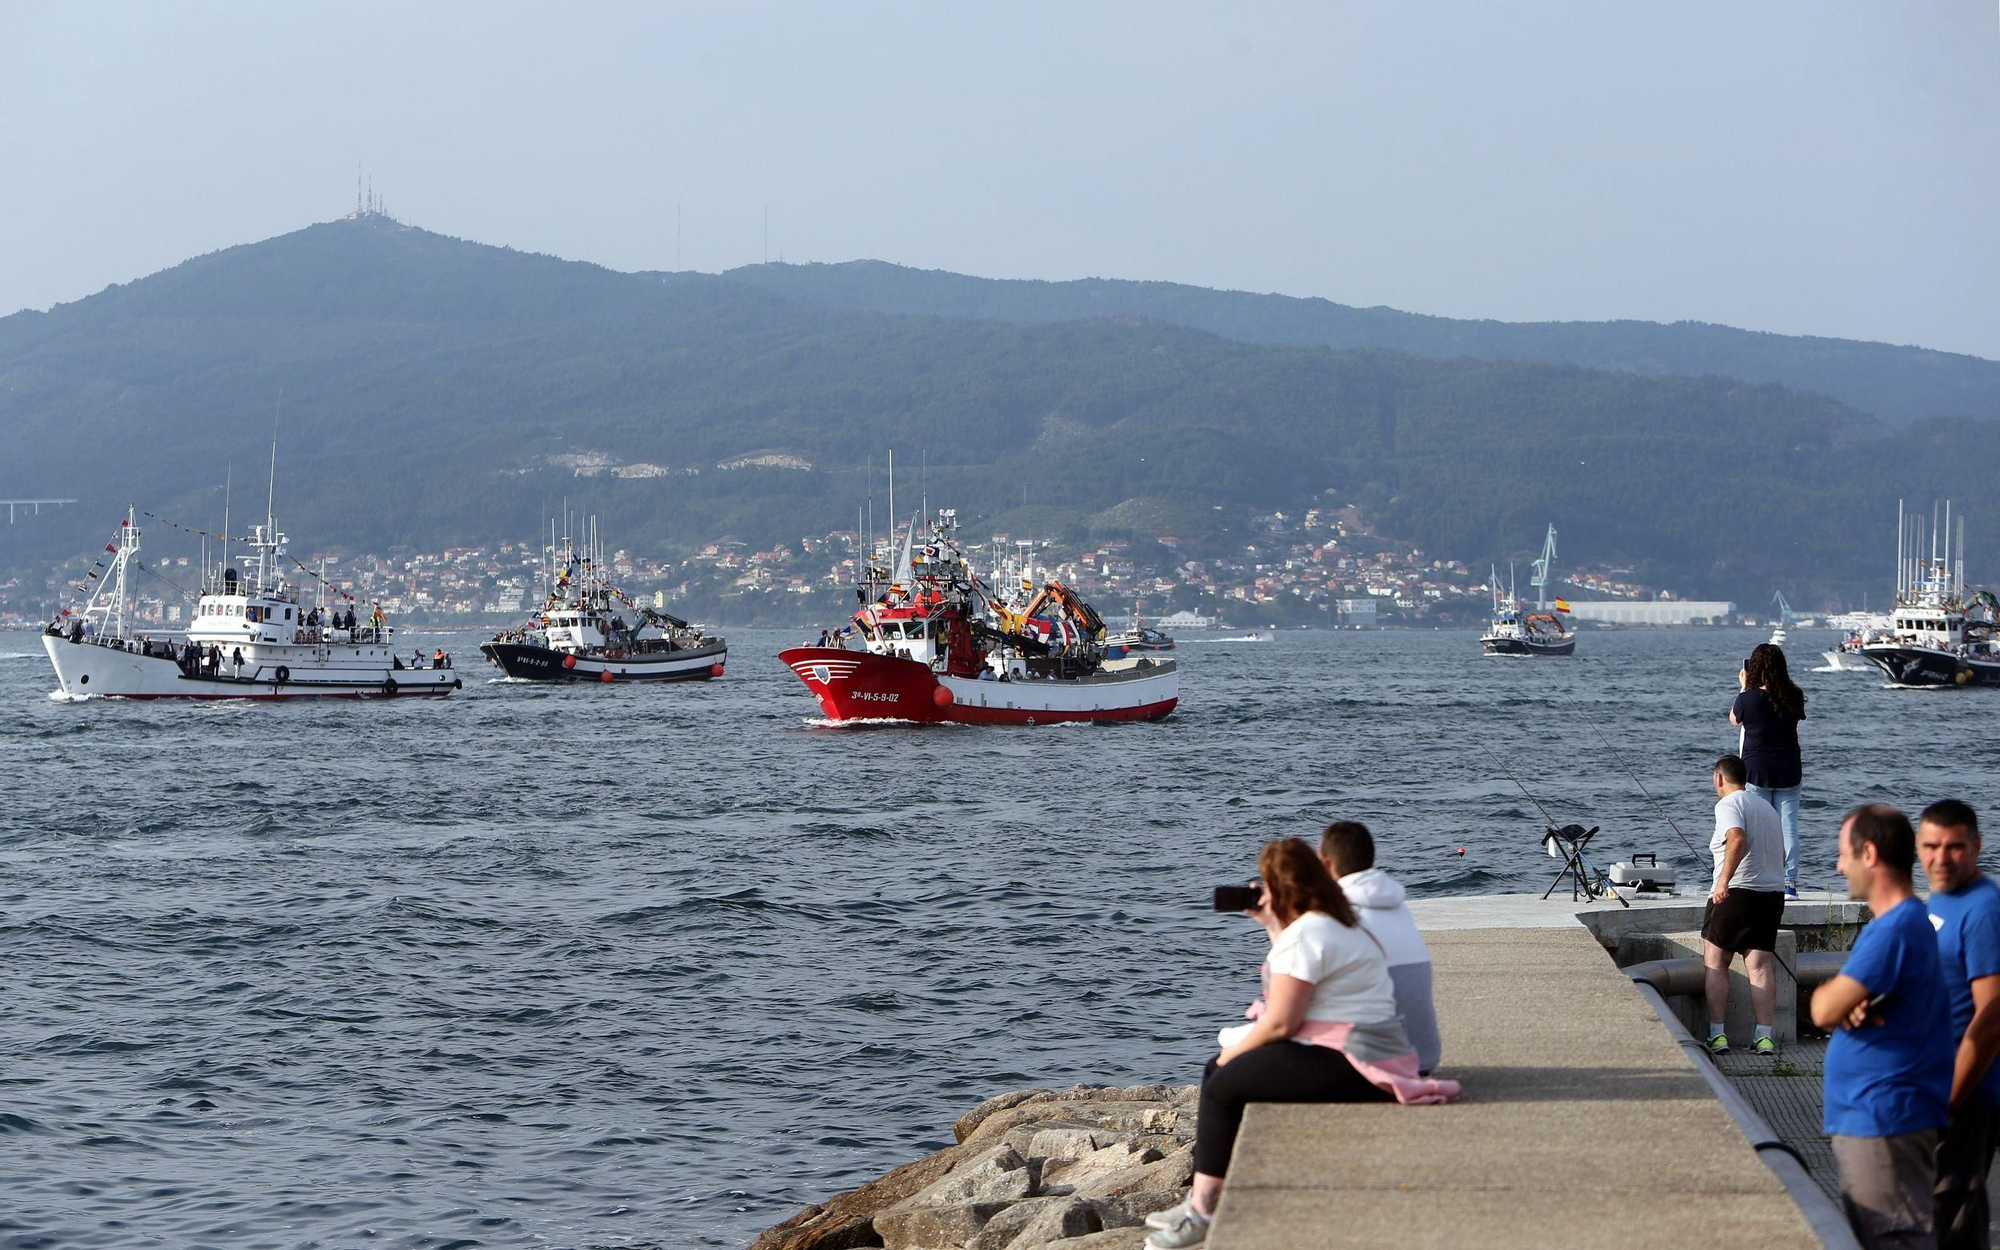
<point>1583,1122</point>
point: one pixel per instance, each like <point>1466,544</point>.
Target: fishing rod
<point>1576,861</point>
<point>1502,764</point>
<point>1589,720</point>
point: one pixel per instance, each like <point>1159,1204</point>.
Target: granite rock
<point>1075,1168</point>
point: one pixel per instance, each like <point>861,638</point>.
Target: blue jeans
<point>1786,800</point>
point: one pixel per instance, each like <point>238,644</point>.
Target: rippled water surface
<point>628,966</point>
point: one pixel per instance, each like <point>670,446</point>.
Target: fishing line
<point>1547,819</point>
<point>1578,705</point>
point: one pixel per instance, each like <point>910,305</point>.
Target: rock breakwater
<point>1078,1168</point>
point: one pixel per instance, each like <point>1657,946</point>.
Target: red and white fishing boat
<point>933,643</point>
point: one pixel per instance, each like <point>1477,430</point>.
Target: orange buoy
<point>605,677</point>
<point>569,661</point>
<point>941,696</point>
<point>715,670</point>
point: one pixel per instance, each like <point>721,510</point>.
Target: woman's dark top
<point>1770,742</point>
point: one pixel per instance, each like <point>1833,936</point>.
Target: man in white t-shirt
<point>1746,904</point>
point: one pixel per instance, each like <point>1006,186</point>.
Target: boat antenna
<point>892,496</point>
<point>228,473</point>
<point>271,496</point>
<point>924,482</point>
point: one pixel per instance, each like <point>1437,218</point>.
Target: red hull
<point>859,685</point>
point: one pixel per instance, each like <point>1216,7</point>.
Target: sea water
<point>629,965</point>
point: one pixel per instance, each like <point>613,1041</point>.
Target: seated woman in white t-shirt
<point>1326,1029</point>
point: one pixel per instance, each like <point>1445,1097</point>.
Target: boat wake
<point>1239,638</point>
<point>17,655</point>
<point>823,722</point>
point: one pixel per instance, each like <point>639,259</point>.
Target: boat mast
<point>1902,542</point>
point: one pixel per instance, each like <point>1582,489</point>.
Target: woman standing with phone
<point>1769,710</point>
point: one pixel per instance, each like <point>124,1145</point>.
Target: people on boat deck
<point>1745,906</point>
<point>1324,1031</point>
<point>439,659</point>
<point>1890,1060</point>
<point>236,658</point>
<point>1348,851</point>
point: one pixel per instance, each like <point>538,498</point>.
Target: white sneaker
<point>1189,1230</point>
<point>1167,1218</point>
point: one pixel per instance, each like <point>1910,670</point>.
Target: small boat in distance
<point>1784,619</point>
<point>251,638</point>
<point>937,644</point>
<point>1137,640</point>
<point>589,630</point>
<point>1938,635</point>
<point>1862,628</point>
<point>1541,632</point>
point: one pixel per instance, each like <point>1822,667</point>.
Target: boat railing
<point>364,635</point>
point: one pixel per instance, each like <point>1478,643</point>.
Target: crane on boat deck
<point>1080,613</point>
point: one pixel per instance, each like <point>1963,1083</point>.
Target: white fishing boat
<point>1943,632</point>
<point>251,637</point>
<point>1541,632</point>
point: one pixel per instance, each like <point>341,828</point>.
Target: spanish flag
<point>1562,605</point>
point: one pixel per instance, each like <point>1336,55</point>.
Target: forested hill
<point>426,391</point>
<point>1898,384</point>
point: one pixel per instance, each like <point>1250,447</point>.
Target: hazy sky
<point>1821,167</point>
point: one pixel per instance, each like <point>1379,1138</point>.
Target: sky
<point>1826,167</point>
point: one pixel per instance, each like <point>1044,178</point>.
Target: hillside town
<point>1320,568</point>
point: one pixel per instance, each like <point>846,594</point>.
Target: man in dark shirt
<point>1771,751</point>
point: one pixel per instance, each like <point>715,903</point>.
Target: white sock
<point>1714,1028</point>
<point>1763,1030</point>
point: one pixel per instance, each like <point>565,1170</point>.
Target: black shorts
<point>1745,921</point>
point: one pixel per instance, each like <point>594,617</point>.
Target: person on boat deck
<point>417,658</point>
<point>236,658</point>
<point>1325,1030</point>
<point>437,659</point>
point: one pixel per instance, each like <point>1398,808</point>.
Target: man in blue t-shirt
<point>1965,911</point>
<point>1889,1064</point>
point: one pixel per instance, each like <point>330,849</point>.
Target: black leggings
<point>1277,1072</point>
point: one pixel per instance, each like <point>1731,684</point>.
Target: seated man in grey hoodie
<point>1348,850</point>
